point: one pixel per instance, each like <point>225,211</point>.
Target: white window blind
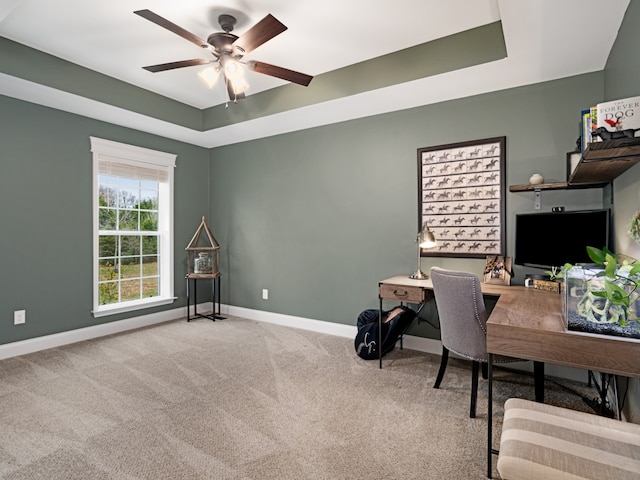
<point>114,167</point>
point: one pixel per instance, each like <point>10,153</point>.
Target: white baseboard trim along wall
<point>420,344</point>
<point>32,345</point>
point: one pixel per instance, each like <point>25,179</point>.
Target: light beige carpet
<point>238,399</point>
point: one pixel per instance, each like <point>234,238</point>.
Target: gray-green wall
<point>46,218</point>
<point>320,216</point>
<point>622,79</point>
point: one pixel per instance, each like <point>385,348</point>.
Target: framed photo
<point>497,270</point>
<point>461,197</point>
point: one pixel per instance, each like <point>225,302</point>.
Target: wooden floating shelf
<point>600,165</point>
<point>604,161</point>
<point>527,187</point>
<point>621,147</point>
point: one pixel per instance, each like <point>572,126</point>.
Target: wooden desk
<point>402,283</point>
<point>407,290</point>
<point>528,323</point>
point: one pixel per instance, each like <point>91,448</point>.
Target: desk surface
<point>528,323</point>
<point>487,289</point>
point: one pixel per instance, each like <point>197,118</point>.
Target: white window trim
<point>101,149</point>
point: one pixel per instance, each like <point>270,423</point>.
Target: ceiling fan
<point>227,50</point>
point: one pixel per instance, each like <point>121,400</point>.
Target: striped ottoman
<point>543,442</point>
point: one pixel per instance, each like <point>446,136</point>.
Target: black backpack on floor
<point>366,341</point>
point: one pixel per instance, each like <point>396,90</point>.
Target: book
<point>593,113</point>
<point>620,115</point>
<point>586,130</point>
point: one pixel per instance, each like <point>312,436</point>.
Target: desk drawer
<point>403,293</point>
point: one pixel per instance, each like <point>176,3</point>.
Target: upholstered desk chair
<point>463,320</point>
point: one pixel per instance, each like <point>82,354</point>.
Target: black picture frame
<point>461,197</point>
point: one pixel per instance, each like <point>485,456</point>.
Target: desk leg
<point>538,381</point>
<point>489,414</point>
<point>380,333</point>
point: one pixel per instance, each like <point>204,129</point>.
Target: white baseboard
<point>411,342</point>
<point>421,344</point>
<point>32,345</point>
<point>337,329</point>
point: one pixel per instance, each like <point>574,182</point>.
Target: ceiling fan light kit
<point>209,76</point>
<point>228,49</point>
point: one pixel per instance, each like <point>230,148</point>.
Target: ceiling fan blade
<point>261,32</point>
<point>172,27</point>
<point>280,72</point>
<point>172,65</point>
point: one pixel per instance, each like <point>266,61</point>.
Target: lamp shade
<point>209,76</point>
<point>426,238</point>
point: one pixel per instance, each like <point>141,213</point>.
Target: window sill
<point>131,306</point>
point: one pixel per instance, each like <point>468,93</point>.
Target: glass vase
<point>202,264</point>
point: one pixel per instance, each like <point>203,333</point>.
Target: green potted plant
<point>634,227</point>
<point>603,297</point>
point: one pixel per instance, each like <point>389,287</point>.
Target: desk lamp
<point>425,239</point>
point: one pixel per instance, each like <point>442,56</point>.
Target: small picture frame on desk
<point>573,159</point>
<point>497,270</point>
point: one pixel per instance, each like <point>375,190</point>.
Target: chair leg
<point>475,367</point>
<point>443,366</point>
<point>485,370</point>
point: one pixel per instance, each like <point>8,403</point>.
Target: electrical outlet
<point>265,294</point>
<point>19,316</point>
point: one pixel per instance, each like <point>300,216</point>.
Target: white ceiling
<point>545,40</point>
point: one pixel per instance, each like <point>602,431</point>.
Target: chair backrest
<point>462,312</point>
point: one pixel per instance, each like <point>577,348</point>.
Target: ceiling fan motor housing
<point>222,43</point>
<point>227,22</point>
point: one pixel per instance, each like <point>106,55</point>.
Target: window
<point>132,227</point>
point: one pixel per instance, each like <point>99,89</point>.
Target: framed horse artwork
<point>461,197</point>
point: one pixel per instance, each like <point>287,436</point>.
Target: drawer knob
<point>398,294</point>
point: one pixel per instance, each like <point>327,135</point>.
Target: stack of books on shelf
<point>611,120</point>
